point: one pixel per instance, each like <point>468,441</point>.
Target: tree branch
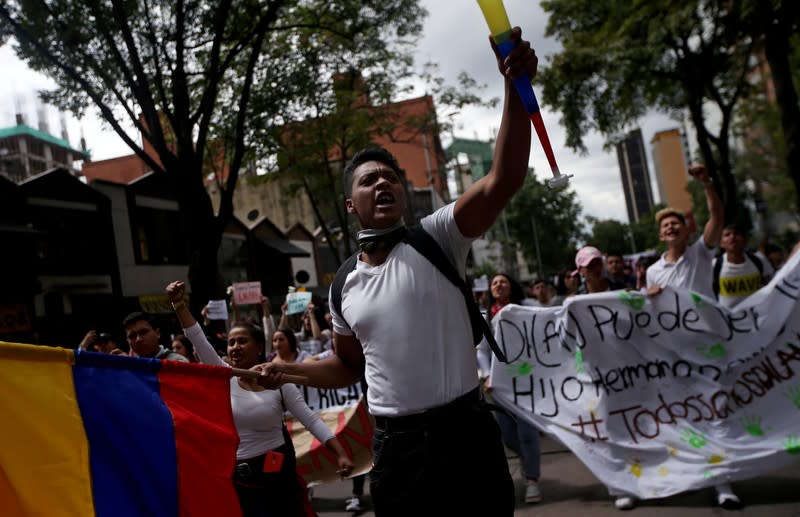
<point>21,33</point>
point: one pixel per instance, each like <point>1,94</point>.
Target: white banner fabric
<point>664,394</point>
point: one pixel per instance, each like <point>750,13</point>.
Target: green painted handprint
<point>699,303</point>
<point>518,370</point>
<point>793,394</point>
<point>695,439</point>
<point>579,360</point>
<point>752,424</point>
<point>633,300</point>
<point>712,351</point>
<point>792,445</point>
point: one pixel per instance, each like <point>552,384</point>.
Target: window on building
<point>156,232</point>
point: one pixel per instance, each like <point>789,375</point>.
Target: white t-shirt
<point>258,415</point>
<point>692,271</point>
<point>412,323</point>
<point>738,281</point>
<point>311,345</point>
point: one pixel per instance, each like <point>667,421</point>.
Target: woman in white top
<point>284,348</point>
<point>265,477</point>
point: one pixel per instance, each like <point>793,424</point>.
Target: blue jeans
<point>522,438</point>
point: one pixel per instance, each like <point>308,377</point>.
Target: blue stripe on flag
<point>130,433</point>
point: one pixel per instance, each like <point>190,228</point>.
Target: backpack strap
<point>426,246</point>
<point>716,273</point>
<point>757,262</point>
<point>338,283</point>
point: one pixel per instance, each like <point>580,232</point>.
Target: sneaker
<point>726,498</point>
<point>353,505</point>
<point>532,492</point>
<point>625,502</point>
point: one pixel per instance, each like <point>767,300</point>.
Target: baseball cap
<point>585,256</point>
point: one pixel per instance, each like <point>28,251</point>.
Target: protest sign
<point>217,310</point>
<point>297,302</point>
<point>480,284</point>
<point>659,395</point>
<point>247,293</point>
<point>345,413</point>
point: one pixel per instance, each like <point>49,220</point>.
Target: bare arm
<point>716,212</point>
<point>315,331</point>
<point>477,209</point>
<point>284,322</point>
<point>338,371</point>
<point>267,321</point>
<point>204,350</point>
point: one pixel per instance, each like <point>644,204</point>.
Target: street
<point>570,489</point>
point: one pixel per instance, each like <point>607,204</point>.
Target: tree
<point>350,106</point>
<point>610,235</point>
<point>774,24</point>
<point>620,59</point>
<point>183,75</point>
<point>555,214</point>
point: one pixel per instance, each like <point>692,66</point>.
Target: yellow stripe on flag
<point>44,458</point>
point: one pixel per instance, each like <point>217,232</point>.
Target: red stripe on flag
<point>198,396</point>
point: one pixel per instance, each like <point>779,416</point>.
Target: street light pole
<point>536,245</point>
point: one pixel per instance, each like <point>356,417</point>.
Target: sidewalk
<point>569,489</point>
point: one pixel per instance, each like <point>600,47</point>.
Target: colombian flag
<point>87,434</point>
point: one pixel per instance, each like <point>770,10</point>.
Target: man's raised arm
<point>477,209</point>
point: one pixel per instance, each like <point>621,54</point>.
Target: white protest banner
<point>247,293</point>
<point>297,302</point>
<point>345,413</point>
<point>664,394</point>
<point>217,310</point>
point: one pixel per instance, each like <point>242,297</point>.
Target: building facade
<point>635,176</point>
<point>670,161</point>
<point>26,152</point>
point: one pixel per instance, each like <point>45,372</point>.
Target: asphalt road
<point>570,489</point>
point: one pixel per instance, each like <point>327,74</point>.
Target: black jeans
<point>446,461</point>
<point>264,494</point>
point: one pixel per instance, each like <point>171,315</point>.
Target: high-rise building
<point>635,176</point>
<point>26,152</point>
<point>669,159</point>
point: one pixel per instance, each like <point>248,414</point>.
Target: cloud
<point>456,39</point>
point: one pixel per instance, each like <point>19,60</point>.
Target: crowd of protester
<point>433,430</point>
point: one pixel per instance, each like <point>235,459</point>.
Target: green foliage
<point>344,81</point>
<point>556,215</point>
<point>484,268</point>
<point>763,146</point>
<point>208,85</point>
<point>622,58</point>
<point>609,235</point>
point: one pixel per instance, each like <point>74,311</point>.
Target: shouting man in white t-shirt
<point>436,447</point>
<point>684,265</point>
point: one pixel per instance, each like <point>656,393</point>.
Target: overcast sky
<point>455,38</point>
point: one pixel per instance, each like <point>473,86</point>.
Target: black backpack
<point>426,246</point>
<point>718,270</point>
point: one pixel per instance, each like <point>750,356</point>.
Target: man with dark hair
<point>143,337</point>
<point>615,270</point>
<point>738,273</point>
<point>407,327</point>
